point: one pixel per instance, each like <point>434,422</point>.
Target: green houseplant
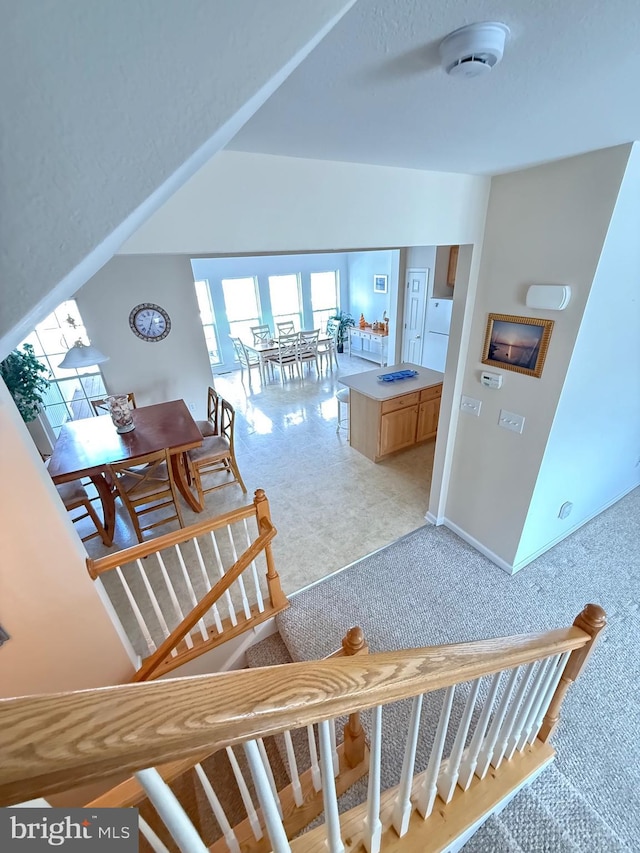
<point>22,374</point>
<point>343,320</point>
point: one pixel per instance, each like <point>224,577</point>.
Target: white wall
<point>261,203</point>
<point>61,636</point>
<point>593,454</point>
<point>362,298</point>
<point>544,225</point>
<point>174,368</point>
<point>108,108</point>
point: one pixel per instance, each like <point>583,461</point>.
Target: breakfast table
<point>85,447</point>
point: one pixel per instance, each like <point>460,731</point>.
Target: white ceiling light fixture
<point>473,50</point>
<point>82,355</point>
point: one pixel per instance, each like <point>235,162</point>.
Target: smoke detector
<point>473,50</point>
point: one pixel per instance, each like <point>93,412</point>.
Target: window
<point>324,297</point>
<point>241,305</point>
<point>284,293</point>
<point>208,320</point>
<point>68,396</point>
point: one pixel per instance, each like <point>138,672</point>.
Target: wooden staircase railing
<point>213,566</point>
<point>495,701</point>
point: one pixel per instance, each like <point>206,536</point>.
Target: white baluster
<point>192,593</point>
<point>548,696</point>
<point>173,815</point>
<point>470,760</point>
<point>329,798</point>
<point>372,830</point>
<point>511,718</point>
<point>254,571</point>
<point>427,795</point>
<point>545,674</point>
<point>240,581</point>
<point>136,612</point>
<point>207,583</point>
<point>269,772</point>
<point>402,808</point>
<point>316,777</point>
<point>269,804</point>
<point>296,787</point>
<point>252,814</point>
<point>173,597</point>
<point>448,779</point>
<point>154,842</point>
<point>227,594</point>
<point>334,747</point>
<point>489,745</point>
<point>155,604</point>
<point>218,811</point>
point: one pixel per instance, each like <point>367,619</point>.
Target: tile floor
<point>330,504</point>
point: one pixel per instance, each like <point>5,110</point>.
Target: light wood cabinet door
<point>398,430</point>
<point>428,419</point>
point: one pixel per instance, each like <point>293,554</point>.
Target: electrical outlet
<point>509,420</point>
<point>192,407</point>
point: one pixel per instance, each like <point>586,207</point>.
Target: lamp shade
<point>82,355</point>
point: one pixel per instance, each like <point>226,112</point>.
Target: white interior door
<point>415,299</point>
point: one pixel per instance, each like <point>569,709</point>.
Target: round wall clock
<point>150,322</point>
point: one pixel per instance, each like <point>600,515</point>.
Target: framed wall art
<point>380,283</point>
<point>517,343</point>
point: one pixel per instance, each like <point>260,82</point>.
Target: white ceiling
<point>373,90</point>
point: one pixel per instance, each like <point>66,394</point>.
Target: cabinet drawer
<point>400,402</point>
<point>431,393</point>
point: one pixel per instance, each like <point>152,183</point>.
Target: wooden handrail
<point>56,742</point>
<point>154,660</point>
<point>129,555</point>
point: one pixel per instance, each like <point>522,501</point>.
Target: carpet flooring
<point>430,587</point>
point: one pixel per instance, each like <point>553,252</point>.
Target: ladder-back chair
<point>216,453</point>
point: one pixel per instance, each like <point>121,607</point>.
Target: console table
<point>385,417</point>
<point>368,344</point>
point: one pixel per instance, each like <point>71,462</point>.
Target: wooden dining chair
<point>101,405</point>
<point>74,496</point>
<point>261,334</point>
<point>217,453</point>
<point>146,485</point>
<point>208,427</point>
<point>286,356</point>
<point>308,349</point>
<point>246,359</point>
<point>286,327</point>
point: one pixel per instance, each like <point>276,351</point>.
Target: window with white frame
<point>208,320</point>
<point>324,297</point>
<point>241,305</point>
<point>67,398</point>
<point>286,304</point>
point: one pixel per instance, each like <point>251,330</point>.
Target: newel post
<point>354,742</point>
<point>276,596</point>
<point>591,620</point>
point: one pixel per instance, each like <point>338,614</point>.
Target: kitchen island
<point>385,417</point>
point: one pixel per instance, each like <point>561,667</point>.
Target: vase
<point>120,411</point>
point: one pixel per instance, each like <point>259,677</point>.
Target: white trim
<point>470,540</point>
<point>135,658</point>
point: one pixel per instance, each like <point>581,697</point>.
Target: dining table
<point>264,349</point>
<point>87,446</point>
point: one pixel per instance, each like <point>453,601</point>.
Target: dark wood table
<point>84,448</point>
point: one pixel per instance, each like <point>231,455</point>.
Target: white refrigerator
<point>436,339</point>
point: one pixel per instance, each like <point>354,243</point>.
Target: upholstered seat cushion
<point>205,427</point>
<point>213,445</point>
<point>72,492</point>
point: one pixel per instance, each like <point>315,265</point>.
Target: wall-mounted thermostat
<point>491,380</point>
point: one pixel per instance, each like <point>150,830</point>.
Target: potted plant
<point>22,374</point>
<point>343,320</point>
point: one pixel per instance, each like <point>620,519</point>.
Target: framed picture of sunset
<point>517,343</point>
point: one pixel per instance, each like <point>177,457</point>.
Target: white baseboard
<point>502,564</point>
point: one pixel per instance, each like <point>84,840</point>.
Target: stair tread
<point>492,837</point>
<point>268,652</point>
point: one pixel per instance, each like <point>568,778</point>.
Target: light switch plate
<point>509,420</point>
<point>470,405</point>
